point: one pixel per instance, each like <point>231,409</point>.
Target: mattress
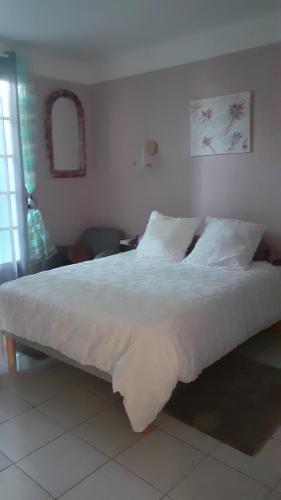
<point>149,324</point>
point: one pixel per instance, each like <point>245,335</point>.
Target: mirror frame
<point>53,97</point>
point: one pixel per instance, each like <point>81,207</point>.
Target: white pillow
<point>226,242</point>
<point>167,238</point>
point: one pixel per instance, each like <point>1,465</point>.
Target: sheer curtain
<point>24,240</point>
<point>39,244</point>
<point>13,234</point>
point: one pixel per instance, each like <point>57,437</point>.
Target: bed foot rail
<point>11,352</point>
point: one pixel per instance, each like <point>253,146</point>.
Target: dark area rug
<point>238,399</point>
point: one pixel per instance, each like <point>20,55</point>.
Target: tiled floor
<point>63,434</point>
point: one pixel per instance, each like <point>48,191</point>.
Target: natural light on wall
<point>9,231</point>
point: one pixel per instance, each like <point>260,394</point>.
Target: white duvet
<point>147,323</point>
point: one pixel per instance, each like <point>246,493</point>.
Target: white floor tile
<point>4,462</point>
<point>10,405</point>
<point>212,480</point>
<point>61,464</point>
<point>21,361</point>
<point>15,485</point>
<point>110,431</point>
<point>37,386</point>
<point>27,432</point>
<point>102,389</point>
<point>24,365</point>
<point>190,435</point>
<point>264,467</point>
<point>70,373</point>
<point>73,407</point>
<point>160,459</point>
<point>275,495</point>
<point>161,418</point>
<point>112,482</point>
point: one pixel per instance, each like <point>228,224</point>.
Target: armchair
<point>95,242</point>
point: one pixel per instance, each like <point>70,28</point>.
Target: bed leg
<point>11,351</point>
<point>148,430</point>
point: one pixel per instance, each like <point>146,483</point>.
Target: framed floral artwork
<point>221,125</point>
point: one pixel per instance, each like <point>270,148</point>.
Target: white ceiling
<point>91,40</point>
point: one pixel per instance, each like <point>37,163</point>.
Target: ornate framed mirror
<point>65,134</point>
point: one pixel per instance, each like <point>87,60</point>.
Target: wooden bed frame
<point>12,361</point>
<point>11,356</point>
<point>11,353</point>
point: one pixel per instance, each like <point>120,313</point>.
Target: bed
<point>147,324</point>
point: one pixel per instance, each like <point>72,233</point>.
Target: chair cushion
<point>100,239</point>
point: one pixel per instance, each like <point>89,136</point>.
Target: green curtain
<point>40,246</point>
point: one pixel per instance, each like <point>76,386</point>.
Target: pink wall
<point>122,115</point>
<point>129,111</point>
<point>66,204</point>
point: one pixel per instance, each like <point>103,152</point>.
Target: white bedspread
<point>149,324</point>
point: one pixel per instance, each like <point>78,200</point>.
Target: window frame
<point>13,186</point>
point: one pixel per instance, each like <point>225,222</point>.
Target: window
<point>9,227</point>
